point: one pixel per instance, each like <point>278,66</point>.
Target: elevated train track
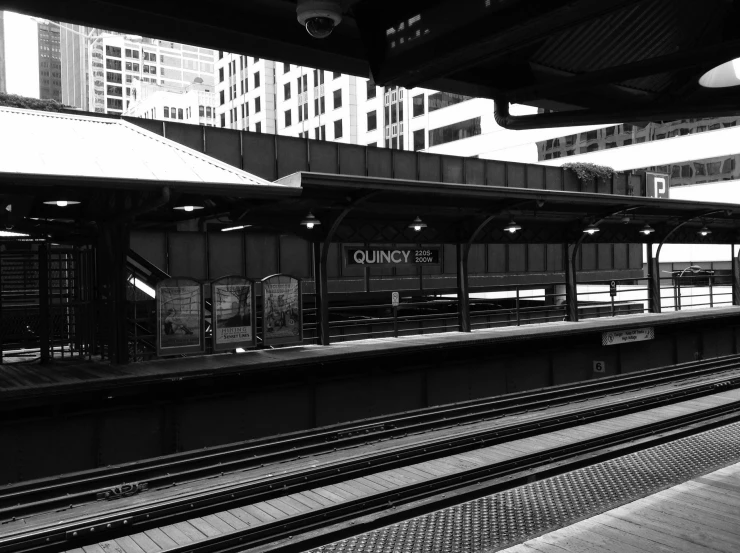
<point>432,455</point>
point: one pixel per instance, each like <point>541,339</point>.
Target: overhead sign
<point>627,336</point>
<point>282,317</point>
<point>233,311</point>
<point>179,316</point>
<point>391,257</point>
<point>657,185</point>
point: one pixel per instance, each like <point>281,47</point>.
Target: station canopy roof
<point>118,172</point>
<point>591,61</point>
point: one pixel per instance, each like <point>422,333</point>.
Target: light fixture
<point>647,229</point>
<point>722,76</point>
<point>512,227</point>
<point>61,203</point>
<point>591,229</point>
<point>626,220</point>
<point>310,221</point>
<point>704,231</point>
<point>417,224</point>
<point>235,228</point>
<point>188,207</point>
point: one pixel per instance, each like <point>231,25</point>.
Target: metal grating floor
<point>504,519</point>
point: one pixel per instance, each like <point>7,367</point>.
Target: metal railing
<point>694,291</point>
<point>611,298</point>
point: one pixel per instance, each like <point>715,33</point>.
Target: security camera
<point>319,16</point>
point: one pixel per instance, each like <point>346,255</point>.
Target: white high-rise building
<point>116,61</point>
<point>194,104</point>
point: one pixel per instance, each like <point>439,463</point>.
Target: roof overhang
<point>592,62</point>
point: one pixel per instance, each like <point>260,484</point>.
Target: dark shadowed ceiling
<point>594,60</point>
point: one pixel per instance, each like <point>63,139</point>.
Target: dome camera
<point>319,16</point>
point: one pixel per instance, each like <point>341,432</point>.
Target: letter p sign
<point>657,185</point>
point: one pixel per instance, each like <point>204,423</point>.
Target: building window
<point>114,103</point>
<point>338,129</point>
<point>128,52</point>
<point>372,120</point>
<point>286,67</point>
<point>222,97</point>
<point>336,75</point>
<point>257,79</point>
<point>338,98</point>
<point>166,112</point>
<point>223,120</point>
<point>220,55</point>
<point>418,102</point>
<point>220,74</point>
<point>371,90</point>
<point>179,113</point>
<point>323,132</point>
<point>201,111</point>
<point>114,64</point>
<point>114,90</point>
<point>113,51</point>
<point>257,105</point>
<point>419,140</point>
<point>445,99</point>
<point>129,79</point>
<point>288,118</point>
<point>113,77</point>
<point>208,112</point>
<point>286,91</point>
<point>456,131</point>
<point>258,127</point>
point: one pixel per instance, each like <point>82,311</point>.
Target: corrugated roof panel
<point>38,142</point>
<point>641,31</point>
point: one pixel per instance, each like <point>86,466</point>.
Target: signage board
<point>233,313</point>
<point>657,185</point>
<point>395,299</point>
<point>613,288</point>
<point>627,336</point>
<point>180,327</point>
<point>282,317</point>
<point>391,257</point>
<point>600,367</point>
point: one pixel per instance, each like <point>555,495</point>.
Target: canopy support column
<point>570,258</point>
<point>735,276</point>
<point>114,246</point>
<point>322,301</point>
<point>653,268</point>
<point>463,301</point>
<point>44,327</point>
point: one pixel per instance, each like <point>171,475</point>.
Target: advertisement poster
<point>281,305</point>
<point>233,313</point>
<point>179,316</point>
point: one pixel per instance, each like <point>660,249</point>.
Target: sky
<point>21,55</point>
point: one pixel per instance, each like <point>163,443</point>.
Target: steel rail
<point>62,491</point>
<point>72,533</point>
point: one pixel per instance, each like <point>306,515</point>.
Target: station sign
<point>600,367</point>
<point>657,185</point>
<point>627,336</point>
<point>233,313</point>
<point>391,257</point>
<point>395,299</point>
<point>282,314</point>
<point>180,326</point>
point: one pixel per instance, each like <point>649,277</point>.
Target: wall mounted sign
<point>180,327</point>
<point>282,317</point>
<point>657,185</point>
<point>627,336</point>
<point>232,298</point>
<point>391,257</point>
<point>600,367</point>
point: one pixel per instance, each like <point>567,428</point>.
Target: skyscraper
<point>74,41</point>
<point>3,86</point>
<point>50,62</point>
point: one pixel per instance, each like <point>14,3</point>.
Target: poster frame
<point>180,350</point>
<point>266,340</point>
<point>244,344</point>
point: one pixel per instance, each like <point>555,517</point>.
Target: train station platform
<point>33,380</point>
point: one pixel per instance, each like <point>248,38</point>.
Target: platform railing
<point>694,291</point>
<point>599,299</point>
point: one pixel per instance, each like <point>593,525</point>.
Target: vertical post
<point>613,312</point>
<point>44,302</point>
<point>518,314</point>
<point>735,277</point>
<point>463,302</point>
<point>322,299</point>
<point>654,282</point>
<point>366,270</point>
<point>711,299</point>
<point>395,322</point>
<point>571,285</point>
